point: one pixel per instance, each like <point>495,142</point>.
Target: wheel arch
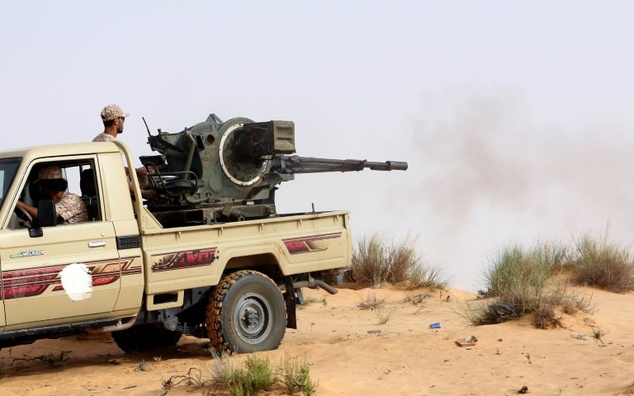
<point>266,263</point>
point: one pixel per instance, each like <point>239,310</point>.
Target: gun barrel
<point>297,164</point>
<point>387,165</point>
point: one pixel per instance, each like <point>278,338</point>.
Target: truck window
<point>88,188</point>
<point>76,200</point>
<point>81,181</point>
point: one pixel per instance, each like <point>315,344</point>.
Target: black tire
<point>246,313</point>
<point>145,337</point>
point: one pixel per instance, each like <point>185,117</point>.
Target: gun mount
<point>229,171</point>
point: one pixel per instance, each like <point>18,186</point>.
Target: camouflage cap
<point>50,172</point>
<point>111,112</point>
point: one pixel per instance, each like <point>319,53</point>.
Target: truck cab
<point>108,244</point>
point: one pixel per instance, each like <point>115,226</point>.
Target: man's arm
<point>145,193</point>
<point>31,210</point>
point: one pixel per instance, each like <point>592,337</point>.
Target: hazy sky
<point>515,117</point>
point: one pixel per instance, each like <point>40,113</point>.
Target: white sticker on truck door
<point>77,281</point>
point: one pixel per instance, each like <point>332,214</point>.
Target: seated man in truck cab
<point>69,207</point>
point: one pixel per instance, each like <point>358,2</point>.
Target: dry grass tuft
<point>383,317</point>
<point>432,277</point>
<point>545,317</point>
<point>371,302</point>
<point>602,264</point>
<point>375,261</point>
<point>521,282</point>
<point>254,377</point>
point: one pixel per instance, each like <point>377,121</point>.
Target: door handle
<point>96,244</point>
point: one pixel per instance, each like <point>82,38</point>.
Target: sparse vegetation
<point>312,300</point>
<point>384,317</point>
<point>602,264</point>
<point>417,299</point>
<point>521,281</point>
<point>375,261</point>
<point>569,302</point>
<point>371,302</point>
<point>222,369</point>
<point>369,261</point>
<point>254,376</point>
<point>545,316</point>
<point>432,277</point>
<point>141,366</point>
<point>524,272</point>
<point>194,377</point>
<point>296,376</point>
<point>53,359</point>
<point>597,335</point>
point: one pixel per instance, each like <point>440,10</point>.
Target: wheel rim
<point>251,318</point>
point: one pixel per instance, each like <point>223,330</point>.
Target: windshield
<point>8,168</point>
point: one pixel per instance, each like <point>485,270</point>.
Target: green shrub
<point>524,272</point>
<point>520,281</point>
<point>602,264</point>
<point>256,375</point>
<point>296,377</point>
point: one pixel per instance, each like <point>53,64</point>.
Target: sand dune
<point>350,353</point>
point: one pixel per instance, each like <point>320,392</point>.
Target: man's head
<point>52,179</point>
<point>49,173</point>
<point>113,115</point>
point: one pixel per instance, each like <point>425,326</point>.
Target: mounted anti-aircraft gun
<point>228,171</point>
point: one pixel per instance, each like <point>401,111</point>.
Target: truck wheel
<point>246,313</point>
<point>145,337</point>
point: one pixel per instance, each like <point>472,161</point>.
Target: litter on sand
<point>468,341</point>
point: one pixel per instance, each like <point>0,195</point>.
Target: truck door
<point>31,266</point>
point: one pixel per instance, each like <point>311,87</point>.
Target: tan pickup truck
<point>125,272</point>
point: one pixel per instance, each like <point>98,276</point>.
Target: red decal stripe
<point>309,244</point>
<point>34,282</point>
<point>183,260</point>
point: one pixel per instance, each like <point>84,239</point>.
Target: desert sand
<point>350,353</point>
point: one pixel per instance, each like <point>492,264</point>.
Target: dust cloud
<point>490,175</point>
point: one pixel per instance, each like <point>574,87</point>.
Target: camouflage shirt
<point>71,208</point>
<point>104,137</point>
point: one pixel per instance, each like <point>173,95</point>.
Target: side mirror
<point>46,217</point>
<point>46,214</point>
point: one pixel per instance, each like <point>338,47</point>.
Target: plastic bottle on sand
<point>578,336</point>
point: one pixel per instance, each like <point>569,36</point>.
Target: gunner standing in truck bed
<point>113,118</point>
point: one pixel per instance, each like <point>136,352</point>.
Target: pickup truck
<point>236,283</point>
